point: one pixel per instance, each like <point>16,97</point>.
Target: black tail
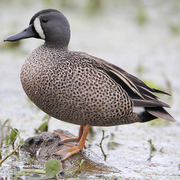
<point>152,113</point>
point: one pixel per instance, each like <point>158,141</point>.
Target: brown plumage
<point>79,88</point>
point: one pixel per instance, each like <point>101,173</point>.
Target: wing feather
<point>141,94</point>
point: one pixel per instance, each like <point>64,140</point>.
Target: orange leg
<point>75,139</point>
<point>70,139</point>
<point>74,149</point>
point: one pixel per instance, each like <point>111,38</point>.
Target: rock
<point>44,146</point>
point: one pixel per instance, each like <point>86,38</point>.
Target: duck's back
<point>68,86</point>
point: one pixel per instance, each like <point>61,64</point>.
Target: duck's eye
<point>44,20</point>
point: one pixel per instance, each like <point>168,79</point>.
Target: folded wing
<point>141,94</point>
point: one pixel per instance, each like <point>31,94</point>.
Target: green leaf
<point>13,134</point>
<point>76,163</point>
<point>5,122</point>
<point>81,163</point>
<point>7,140</point>
<point>43,127</point>
<point>52,168</point>
<point>46,117</point>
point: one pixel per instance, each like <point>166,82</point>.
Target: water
<point>115,34</point>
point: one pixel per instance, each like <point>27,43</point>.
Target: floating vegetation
<point>113,145</point>
<point>175,28</point>
<point>94,6</point>
<point>141,16</point>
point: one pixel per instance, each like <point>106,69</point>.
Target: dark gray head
<point>50,25</point>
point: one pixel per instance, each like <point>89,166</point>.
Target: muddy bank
<point>44,147</point>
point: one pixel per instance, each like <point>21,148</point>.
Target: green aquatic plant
<point>113,145</point>
<point>152,149</point>
<point>112,136</point>
<point>94,6</point>
<point>4,125</point>
<point>10,140</point>
<point>141,16</point>
<point>174,28</point>
<point>52,168</point>
<point>44,126</point>
<point>79,166</point>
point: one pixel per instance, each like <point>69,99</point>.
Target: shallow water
<point>114,34</point>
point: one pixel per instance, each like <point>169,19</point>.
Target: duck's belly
<point>79,95</point>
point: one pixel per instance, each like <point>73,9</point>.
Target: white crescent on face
<point>38,28</point>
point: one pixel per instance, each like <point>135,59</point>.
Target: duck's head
<point>49,25</point>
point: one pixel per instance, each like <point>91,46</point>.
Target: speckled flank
<point>68,86</point>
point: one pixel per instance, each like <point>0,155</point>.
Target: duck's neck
<point>56,46</point>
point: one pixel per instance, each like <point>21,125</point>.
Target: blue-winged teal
<point>79,88</point>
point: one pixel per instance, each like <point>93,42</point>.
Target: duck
<point>79,88</point>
